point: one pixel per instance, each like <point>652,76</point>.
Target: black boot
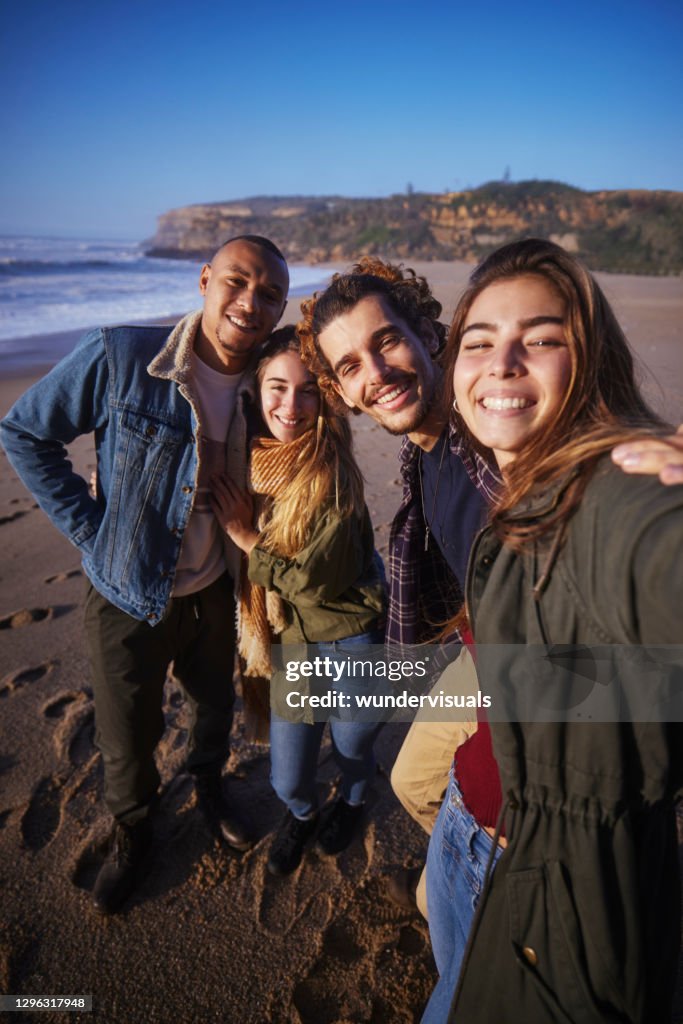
<point>289,843</point>
<point>339,827</point>
<point>224,821</point>
<point>123,868</point>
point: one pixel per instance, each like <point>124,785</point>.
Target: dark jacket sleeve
<point>658,578</point>
<point>624,558</point>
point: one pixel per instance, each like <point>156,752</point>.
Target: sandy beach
<point>210,936</point>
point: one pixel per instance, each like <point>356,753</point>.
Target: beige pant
<point>419,777</point>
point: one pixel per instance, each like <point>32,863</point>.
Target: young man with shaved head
<point>168,411</point>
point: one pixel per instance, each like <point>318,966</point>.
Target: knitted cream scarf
<point>261,612</point>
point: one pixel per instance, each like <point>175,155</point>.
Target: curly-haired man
<point>372,339</point>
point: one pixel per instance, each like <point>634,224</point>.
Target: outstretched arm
<point>662,456</point>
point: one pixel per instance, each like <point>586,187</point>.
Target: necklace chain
<point>436,489</point>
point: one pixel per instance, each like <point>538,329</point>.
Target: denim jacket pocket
<point>149,429</point>
<point>147,460</point>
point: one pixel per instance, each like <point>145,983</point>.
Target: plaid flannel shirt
<point>423,592</point>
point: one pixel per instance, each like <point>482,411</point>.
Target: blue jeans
<point>458,853</point>
<point>294,746</point>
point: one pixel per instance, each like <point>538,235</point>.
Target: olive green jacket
<point>333,588</point>
<point>580,921</point>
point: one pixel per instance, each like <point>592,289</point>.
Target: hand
<point>234,511</point>
<point>661,456</point>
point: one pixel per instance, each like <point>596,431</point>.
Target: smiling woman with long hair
<point>312,578</point>
<point>579,921</point>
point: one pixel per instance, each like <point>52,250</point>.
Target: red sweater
<point>476,773</point>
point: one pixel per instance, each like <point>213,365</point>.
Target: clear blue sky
<point>114,111</point>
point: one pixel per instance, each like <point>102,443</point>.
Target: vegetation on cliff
<point>628,231</point>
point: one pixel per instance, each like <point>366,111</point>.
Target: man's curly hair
<point>408,295</point>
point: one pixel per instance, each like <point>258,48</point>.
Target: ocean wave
<point>52,286</point>
<point>10,266</point>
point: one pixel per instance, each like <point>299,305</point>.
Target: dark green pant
<point>130,662</point>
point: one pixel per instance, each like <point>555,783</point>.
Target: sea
<point>53,289</point>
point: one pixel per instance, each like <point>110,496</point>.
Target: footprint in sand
<point>74,743</point>
<point>282,903</point>
<point>74,737</point>
<point>15,680</point>
<point>61,577</point>
<point>331,989</point>
<point>89,860</point>
<point>81,744</point>
<point>176,797</point>
<point>25,617</point>
<point>382,911</point>
<point>56,706</point>
<point>411,941</point>
<point>43,816</point>
<point>316,1002</point>
<point>340,942</point>
<point>179,740</point>
<point>175,699</point>
<point>11,517</point>
<point>356,952</point>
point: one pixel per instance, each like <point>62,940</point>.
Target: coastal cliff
<point>625,231</point>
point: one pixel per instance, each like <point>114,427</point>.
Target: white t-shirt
<point>202,555</point>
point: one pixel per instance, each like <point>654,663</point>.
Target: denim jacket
<point>132,386</point>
